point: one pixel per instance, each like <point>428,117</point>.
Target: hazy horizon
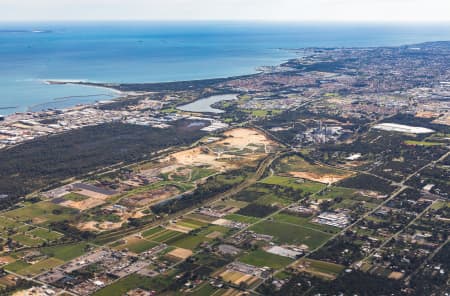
<point>234,21</point>
<point>227,10</point>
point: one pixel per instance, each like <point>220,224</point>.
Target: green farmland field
<point>292,234</point>
<point>40,267</point>
<point>45,234</point>
<point>261,258</point>
<point>304,222</point>
<point>66,252</point>
<point>42,212</point>
<point>137,245</point>
<point>307,187</point>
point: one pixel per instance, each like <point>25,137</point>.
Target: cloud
<point>280,10</point>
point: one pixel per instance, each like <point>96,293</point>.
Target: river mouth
<point>204,105</point>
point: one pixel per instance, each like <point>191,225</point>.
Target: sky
<point>264,10</point>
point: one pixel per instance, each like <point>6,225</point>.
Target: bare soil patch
<point>83,205</point>
<point>179,228</point>
<point>240,145</point>
<point>180,253</point>
<point>395,275</point>
<point>151,196</point>
<point>325,178</point>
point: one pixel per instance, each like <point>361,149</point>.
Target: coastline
<point>130,60</point>
<point>72,101</point>
<point>139,88</point>
<point>122,90</point>
<point>81,82</point>
<point>117,88</point>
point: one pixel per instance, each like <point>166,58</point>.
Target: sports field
<point>261,258</point>
<point>66,252</point>
<point>137,245</point>
<point>40,267</point>
<point>304,222</point>
<point>318,268</point>
<point>292,234</point>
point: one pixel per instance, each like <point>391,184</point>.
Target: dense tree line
<point>256,210</point>
<point>409,119</point>
<point>368,182</point>
<point>436,175</point>
<point>429,281</point>
<point>45,161</point>
<point>335,249</point>
<point>353,283</point>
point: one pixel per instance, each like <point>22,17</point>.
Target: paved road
<point>259,172</point>
<point>391,197</point>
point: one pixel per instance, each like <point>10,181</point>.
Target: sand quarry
<point>107,225</point>
<point>321,178</point>
<point>237,147</point>
<point>93,199</point>
<point>150,197</point>
<point>240,145</point>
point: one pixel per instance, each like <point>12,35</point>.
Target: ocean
<point>31,53</point>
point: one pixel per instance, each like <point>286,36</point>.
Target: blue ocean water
<point>161,51</point>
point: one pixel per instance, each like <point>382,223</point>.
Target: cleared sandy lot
<point>237,277</point>
<point>180,253</point>
<point>245,138</point>
<point>83,205</point>
<point>150,197</point>
<point>239,146</point>
<point>324,178</point>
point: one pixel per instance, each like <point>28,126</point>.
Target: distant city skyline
<point>280,10</point>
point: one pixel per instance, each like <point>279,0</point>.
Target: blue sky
<point>274,10</point>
